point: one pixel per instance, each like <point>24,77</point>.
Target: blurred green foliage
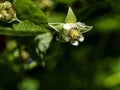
<point>93,65</point>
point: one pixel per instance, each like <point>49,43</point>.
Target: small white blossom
<point>71,31</point>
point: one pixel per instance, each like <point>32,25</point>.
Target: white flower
<point>71,31</point>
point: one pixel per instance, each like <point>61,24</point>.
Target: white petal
<point>67,26</point>
<point>76,43</point>
<point>81,39</point>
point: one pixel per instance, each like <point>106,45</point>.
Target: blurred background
<point>93,65</point>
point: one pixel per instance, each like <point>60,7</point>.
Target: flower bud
<point>7,12</point>
<point>1,6</point>
<point>12,12</point>
<point>6,16</point>
<point>3,12</point>
<point>7,4</point>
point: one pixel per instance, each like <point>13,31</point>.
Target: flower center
<point>74,33</point>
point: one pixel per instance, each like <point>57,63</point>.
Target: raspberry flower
<point>70,31</point>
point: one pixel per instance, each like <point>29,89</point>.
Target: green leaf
<point>28,10</point>
<point>70,18</point>
<point>68,2</point>
<point>43,42</point>
<point>57,26</point>
<point>25,28</point>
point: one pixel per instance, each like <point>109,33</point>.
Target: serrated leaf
<point>27,26</point>
<point>28,10</point>
<point>70,18</point>
<point>56,26</point>
<point>24,28</point>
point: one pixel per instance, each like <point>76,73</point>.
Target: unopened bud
<point>7,4</point>
<point>1,6</point>
<point>7,12</point>
<point>12,12</point>
<point>3,12</point>
<point>6,16</point>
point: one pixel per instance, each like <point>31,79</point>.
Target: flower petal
<point>81,39</point>
<point>75,43</point>
<point>67,26</point>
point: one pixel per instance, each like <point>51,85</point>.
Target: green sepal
<point>59,38</point>
<point>56,26</point>
<point>83,28</point>
<point>70,18</point>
